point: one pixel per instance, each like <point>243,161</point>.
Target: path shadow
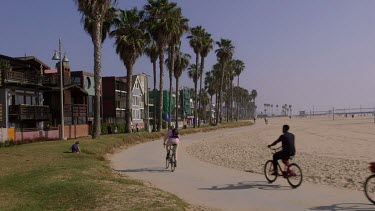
<point>262,185</point>
<point>152,170</point>
<point>346,206</point>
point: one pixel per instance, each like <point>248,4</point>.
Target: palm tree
<point>152,52</point>
<point>180,27</point>
<point>131,39</point>
<point>290,110</point>
<point>96,10</point>
<point>160,19</point>
<point>205,100</point>
<point>207,45</point>
<point>196,43</point>
<point>224,55</point>
<point>182,62</point>
<point>253,95</point>
<point>216,74</point>
<point>108,22</point>
<point>211,88</point>
<point>193,74</point>
<point>277,110</point>
<point>238,67</point>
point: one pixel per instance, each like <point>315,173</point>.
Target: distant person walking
<point>109,129</point>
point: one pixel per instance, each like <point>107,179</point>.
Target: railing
<point>120,95</point>
<point>75,110</point>
<point>151,115</point>
<point>51,79</point>
<point>22,77</point>
<point>150,101</point>
<point>28,112</point>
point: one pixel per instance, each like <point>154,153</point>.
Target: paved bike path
<point>218,187</point>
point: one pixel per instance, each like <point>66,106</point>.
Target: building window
<point>88,82</point>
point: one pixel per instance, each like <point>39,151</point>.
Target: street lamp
<point>58,56</point>
<point>147,98</point>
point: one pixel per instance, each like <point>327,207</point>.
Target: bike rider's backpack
<point>175,133</point>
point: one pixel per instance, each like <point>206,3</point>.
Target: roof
<point>71,86</point>
<point>81,72</point>
<point>34,60</point>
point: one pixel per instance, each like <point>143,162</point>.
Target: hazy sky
<point>298,52</point>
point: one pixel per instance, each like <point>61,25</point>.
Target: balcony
<point>22,77</point>
<point>150,102</point>
<point>151,115</point>
<point>28,112</point>
<point>51,79</point>
<point>120,94</point>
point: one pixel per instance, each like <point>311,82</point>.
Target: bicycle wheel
<point>294,175</point>
<point>167,162</point>
<point>268,170</point>
<point>173,162</point>
<point>370,188</point>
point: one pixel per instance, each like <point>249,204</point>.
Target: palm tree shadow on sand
<point>262,185</point>
<point>346,206</point>
<point>151,170</point>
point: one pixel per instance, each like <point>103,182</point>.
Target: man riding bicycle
<point>288,147</point>
<point>172,138</point>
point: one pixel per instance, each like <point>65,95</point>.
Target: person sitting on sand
<point>172,138</point>
<point>288,147</point>
<point>75,148</point>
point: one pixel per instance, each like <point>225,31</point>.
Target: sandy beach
<point>333,152</point>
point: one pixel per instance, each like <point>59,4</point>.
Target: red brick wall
<point>76,131</point>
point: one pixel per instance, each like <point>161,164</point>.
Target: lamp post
<point>58,56</point>
<point>147,98</point>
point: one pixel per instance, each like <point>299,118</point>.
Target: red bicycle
<point>370,184</point>
<point>291,171</point>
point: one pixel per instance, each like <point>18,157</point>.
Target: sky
<point>304,53</point>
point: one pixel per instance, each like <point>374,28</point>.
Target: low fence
<point>71,131</point>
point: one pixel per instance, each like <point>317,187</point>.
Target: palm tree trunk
<point>154,114</point>
<point>200,86</point>
<point>210,111</point>
<point>195,100</point>
<point>183,106</point>
<point>231,101</point>
<point>228,107</point>
<point>171,61</point>
<point>128,111</point>
<point>176,110</point>
<point>217,106</point>
<point>238,85</point>
<point>195,90</point>
<point>221,90</point>
<point>97,76</point>
<point>161,65</point>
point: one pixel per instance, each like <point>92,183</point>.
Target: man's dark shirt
<point>287,142</point>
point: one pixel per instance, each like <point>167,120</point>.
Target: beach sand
<point>333,152</point>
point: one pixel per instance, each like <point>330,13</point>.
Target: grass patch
<point>46,176</point>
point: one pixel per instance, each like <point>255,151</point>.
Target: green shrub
<point>164,124</point>
<point>120,128</point>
